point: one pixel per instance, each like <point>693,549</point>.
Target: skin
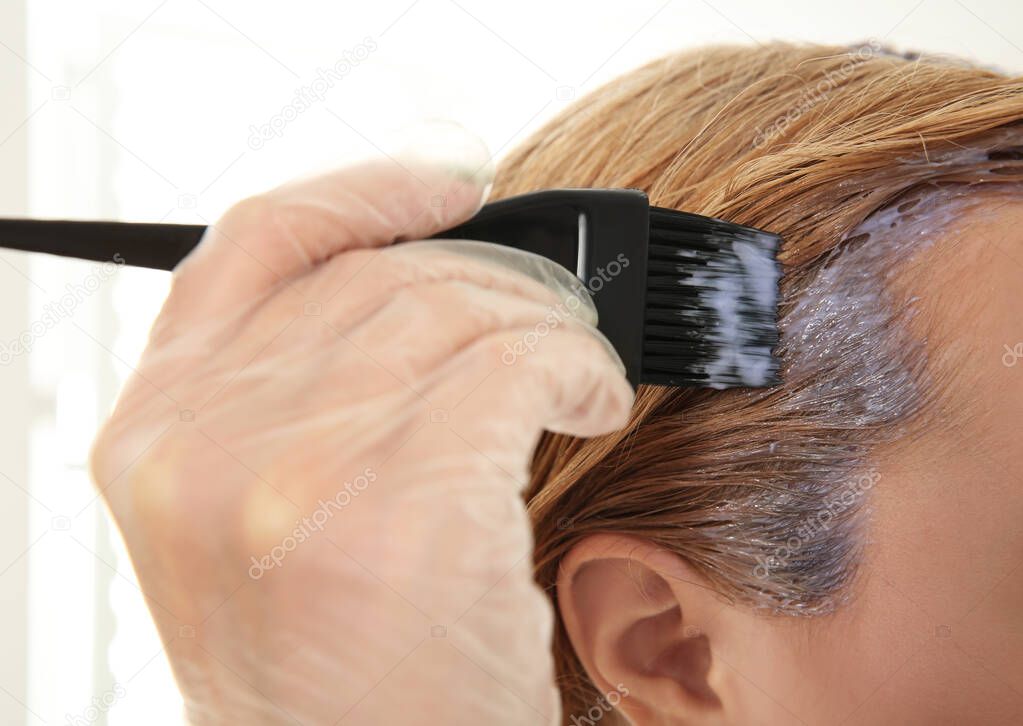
<point>317,465</point>
<point>933,630</point>
<point>435,577</point>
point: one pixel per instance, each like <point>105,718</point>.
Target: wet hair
<point>857,157</point>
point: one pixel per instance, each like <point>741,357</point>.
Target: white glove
<point>317,467</point>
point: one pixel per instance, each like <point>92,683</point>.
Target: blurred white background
<point>147,110</point>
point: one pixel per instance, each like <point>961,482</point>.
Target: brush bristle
<point>711,307</point>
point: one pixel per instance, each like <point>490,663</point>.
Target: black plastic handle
<point>157,246</point>
<point>588,231</point>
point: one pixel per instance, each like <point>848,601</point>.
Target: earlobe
<point>643,624</point>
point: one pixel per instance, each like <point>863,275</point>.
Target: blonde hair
<point>811,143</point>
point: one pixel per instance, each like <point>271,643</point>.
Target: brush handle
<point>157,246</point>
<point>580,229</point>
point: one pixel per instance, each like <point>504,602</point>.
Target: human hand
<point>317,466</point>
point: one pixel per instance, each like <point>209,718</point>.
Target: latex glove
<point>317,467</point>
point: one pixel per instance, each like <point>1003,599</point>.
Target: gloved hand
<point>317,466</point>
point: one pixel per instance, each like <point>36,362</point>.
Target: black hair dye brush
<point>686,300</point>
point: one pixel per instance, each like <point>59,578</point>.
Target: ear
<point>647,626</point>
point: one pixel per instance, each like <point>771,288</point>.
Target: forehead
<point>966,281</point>
<point>906,311</point>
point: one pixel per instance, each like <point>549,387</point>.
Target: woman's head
<point>839,546</point>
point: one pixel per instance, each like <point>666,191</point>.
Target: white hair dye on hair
<point>853,366</point>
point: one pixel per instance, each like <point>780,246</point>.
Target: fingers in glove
<point>266,241</point>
